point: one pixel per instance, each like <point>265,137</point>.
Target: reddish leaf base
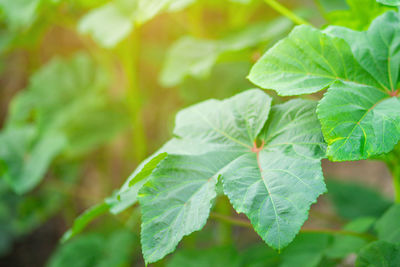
<point>256,149</point>
<point>395,93</point>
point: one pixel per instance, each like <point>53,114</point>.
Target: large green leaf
<point>273,184</point>
<point>379,254</point>
<point>360,113</point>
<point>388,227</point>
<point>390,2</point>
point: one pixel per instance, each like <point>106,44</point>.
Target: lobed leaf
<point>273,184</point>
<point>359,114</point>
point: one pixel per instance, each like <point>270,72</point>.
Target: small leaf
<point>388,227</point>
<point>148,168</point>
<point>379,254</point>
<point>84,219</point>
<point>108,24</point>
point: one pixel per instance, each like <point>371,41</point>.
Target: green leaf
<point>117,249</point>
<point>359,15</point>
<point>388,227</point>
<point>358,122</point>
<point>360,113</point>
<point>379,254</point>
<point>148,168</point>
<point>26,161</point>
<point>216,257</point>
<point>108,24</point>
<point>307,250</point>
<point>20,14</point>
<point>84,219</point>
<point>147,9</point>
<point>62,112</point>
<point>344,245</point>
<point>260,255</point>
<point>390,2</point>
<point>307,61</point>
<point>191,57</point>
<point>376,48</point>
<point>69,96</point>
<point>352,200</point>
<point>270,183</point>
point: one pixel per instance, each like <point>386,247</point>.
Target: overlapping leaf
<point>390,2</point>
<point>190,57</point>
<point>61,112</point>
<point>273,184</point>
<point>388,227</point>
<point>360,113</point>
<point>356,15</point>
<point>379,254</point>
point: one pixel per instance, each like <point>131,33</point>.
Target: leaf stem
<point>225,229</point>
<point>286,12</point>
<point>247,224</point>
<point>393,163</point>
<point>129,60</point>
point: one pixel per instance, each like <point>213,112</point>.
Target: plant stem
<point>129,60</point>
<point>225,228</point>
<point>242,223</point>
<point>393,163</point>
<point>286,12</point>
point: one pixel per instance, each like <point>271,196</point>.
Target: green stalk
<point>129,60</point>
<point>393,163</point>
<point>242,223</point>
<point>223,207</point>
<point>286,12</point>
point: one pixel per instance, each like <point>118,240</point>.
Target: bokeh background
<point>90,88</point>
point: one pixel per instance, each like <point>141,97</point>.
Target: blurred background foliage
<point>89,88</point>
